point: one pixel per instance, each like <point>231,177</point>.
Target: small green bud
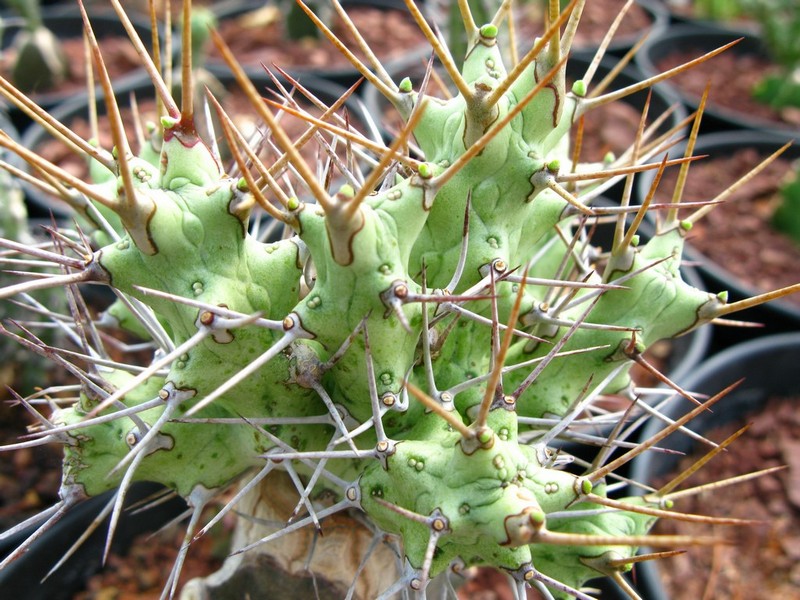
<point>293,204</point>
<point>668,504</point>
<point>635,241</point>
<point>405,85</point>
<point>579,88</point>
<point>241,185</point>
<point>347,191</point>
<point>554,165</point>
<point>686,225</point>
<point>485,436</point>
<point>609,158</point>
<point>168,122</point>
<point>489,31</point>
<point>723,296</point>
<point>425,171</point>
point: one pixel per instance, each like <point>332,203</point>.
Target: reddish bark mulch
<point>732,77</point>
<point>389,33</point>
<point>764,559</point>
<point>596,18</point>
<point>118,53</point>
<point>738,234</point>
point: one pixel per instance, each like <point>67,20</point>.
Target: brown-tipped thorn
<point>571,199</point>
<point>569,539</point>
<point>667,514</point>
<point>646,83</point>
<point>530,57</point>
<point>187,76</point>
<point>378,171</point>
<point>623,562</point>
<point>52,170</point>
<point>73,141</point>
<point>234,138</point>
<point>733,307</point>
<point>129,211</point>
<point>683,476</point>
<point>385,85</point>
<point>598,474</point>
<point>442,53</point>
<point>499,359</point>
<point>280,135</point>
<point>570,177</point>
<point>642,362</point>
<point>161,88</point>
<point>723,483</point>
<point>683,172</point>
<point>642,212</point>
<point>619,230</point>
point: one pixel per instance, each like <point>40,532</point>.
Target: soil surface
<point>737,234</point>
<point>764,559</point>
<point>732,78</point>
<point>596,18</point>
<point>260,38</point>
<point>29,478</point>
<point>119,55</point>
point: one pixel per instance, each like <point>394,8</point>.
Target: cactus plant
<point>413,347</point>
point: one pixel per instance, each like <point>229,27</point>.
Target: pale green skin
<point>194,244</point>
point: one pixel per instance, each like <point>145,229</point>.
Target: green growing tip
<point>293,203</point>
<point>489,31</point>
<point>485,436</point>
<point>686,225</point>
<point>168,122</point>
<point>579,88</point>
<point>405,85</point>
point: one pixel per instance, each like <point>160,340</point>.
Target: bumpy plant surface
<point>432,324</point>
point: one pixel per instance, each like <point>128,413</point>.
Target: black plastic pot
<point>768,366</point>
<point>719,278</point>
<point>66,22</point>
<point>700,39</point>
<point>23,578</point>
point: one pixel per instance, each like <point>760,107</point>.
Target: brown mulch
<point>764,559</point>
<point>29,478</point>
<point>738,234</point>
<point>118,53</point>
<point>253,41</point>
<point>732,78</point>
<point>596,18</point>
<point>142,573</point>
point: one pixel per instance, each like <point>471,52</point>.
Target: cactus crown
<point>416,345</point>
